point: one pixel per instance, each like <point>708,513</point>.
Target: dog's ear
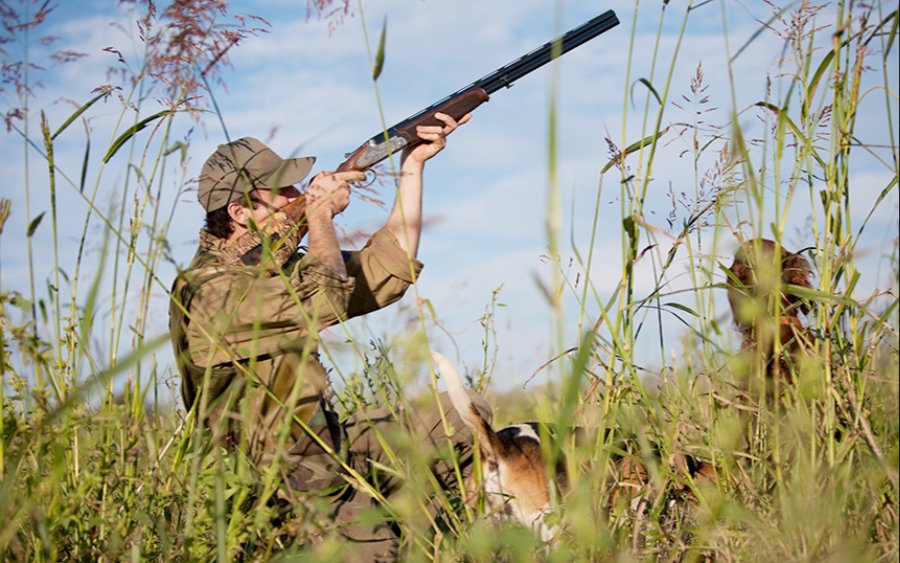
<point>468,412</point>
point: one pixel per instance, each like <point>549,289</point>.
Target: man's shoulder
<point>201,277</point>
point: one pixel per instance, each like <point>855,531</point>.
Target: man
<point>245,332</point>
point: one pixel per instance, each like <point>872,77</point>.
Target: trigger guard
<point>371,176</point>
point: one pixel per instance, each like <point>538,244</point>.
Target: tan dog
<point>516,485</point>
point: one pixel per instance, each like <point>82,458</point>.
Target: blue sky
<point>306,88</point>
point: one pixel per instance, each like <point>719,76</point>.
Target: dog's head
<point>514,477</point>
<point>759,276</point>
<point>756,273</point>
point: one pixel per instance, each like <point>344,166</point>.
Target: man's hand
<point>434,137</point>
<point>329,192</point>
<point>405,220</point>
<point>327,195</point>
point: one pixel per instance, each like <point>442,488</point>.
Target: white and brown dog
<point>514,476</point>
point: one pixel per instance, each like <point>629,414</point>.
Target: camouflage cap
<point>243,165</point>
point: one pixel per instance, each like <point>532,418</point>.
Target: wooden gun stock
<point>296,210</point>
<point>403,135</point>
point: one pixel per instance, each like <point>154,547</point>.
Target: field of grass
<point>98,461</point>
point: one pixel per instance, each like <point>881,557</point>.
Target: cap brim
<point>291,172</point>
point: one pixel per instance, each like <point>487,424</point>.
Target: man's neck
<point>237,232</point>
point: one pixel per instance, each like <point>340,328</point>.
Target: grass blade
<point>633,147</point>
<point>132,131</point>
<point>34,224</point>
<point>78,112</point>
<point>379,56</point>
<point>649,86</point>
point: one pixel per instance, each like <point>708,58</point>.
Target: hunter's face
<point>268,201</point>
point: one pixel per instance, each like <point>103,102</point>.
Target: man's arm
<point>328,194</point>
<point>405,219</point>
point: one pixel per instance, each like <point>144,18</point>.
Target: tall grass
<point>95,463</point>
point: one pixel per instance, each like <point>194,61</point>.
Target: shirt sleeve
<point>383,271</point>
<point>242,314</point>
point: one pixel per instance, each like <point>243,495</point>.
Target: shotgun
<point>459,103</point>
<point>467,98</point>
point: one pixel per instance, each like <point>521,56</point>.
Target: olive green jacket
<point>245,338</point>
